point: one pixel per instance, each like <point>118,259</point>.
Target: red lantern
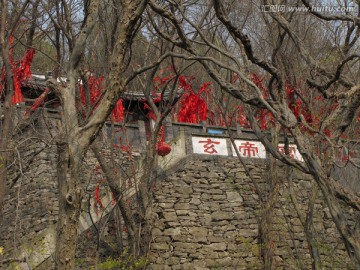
<point>163,149</point>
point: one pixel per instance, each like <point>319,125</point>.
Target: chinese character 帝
<point>249,149</point>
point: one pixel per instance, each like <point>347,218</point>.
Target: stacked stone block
<point>207,218</point>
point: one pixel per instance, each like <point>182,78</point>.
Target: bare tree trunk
<point>8,123</point>
<point>307,221</point>
<point>267,245</point>
<point>69,208</point>
<point>118,191</point>
<point>265,226</point>
<point>139,233</point>
<point>8,24</point>
<point>310,232</point>
<point>350,237</point>
<point>146,184</point>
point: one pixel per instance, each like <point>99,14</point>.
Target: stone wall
<point>30,211</point>
<point>207,210</point>
<point>207,218</point>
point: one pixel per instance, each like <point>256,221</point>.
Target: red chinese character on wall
<point>249,149</point>
<point>292,150</point>
<point>209,146</point>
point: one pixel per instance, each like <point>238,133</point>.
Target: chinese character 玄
<point>209,146</point>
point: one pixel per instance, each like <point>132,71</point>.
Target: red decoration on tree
<point>39,101</point>
<point>259,82</point>
<point>193,106</point>
<point>26,64</point>
<point>95,88</point>
<point>18,96</point>
<point>158,82</point>
<point>150,112</point>
<point>242,119</point>
<point>21,71</point>
<point>162,148</point>
<point>118,112</point>
<point>264,116</point>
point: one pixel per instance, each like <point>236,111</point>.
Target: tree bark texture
<point>7,123</point>
<point>69,209</point>
<point>267,244</point>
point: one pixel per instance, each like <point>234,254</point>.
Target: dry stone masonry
<point>207,218</point>
<point>206,208</point>
<point>28,219</point>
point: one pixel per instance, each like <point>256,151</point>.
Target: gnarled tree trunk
<point>69,208</point>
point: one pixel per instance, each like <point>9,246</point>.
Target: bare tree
<point>225,42</point>
<point>10,17</point>
<point>334,84</point>
<point>76,138</point>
